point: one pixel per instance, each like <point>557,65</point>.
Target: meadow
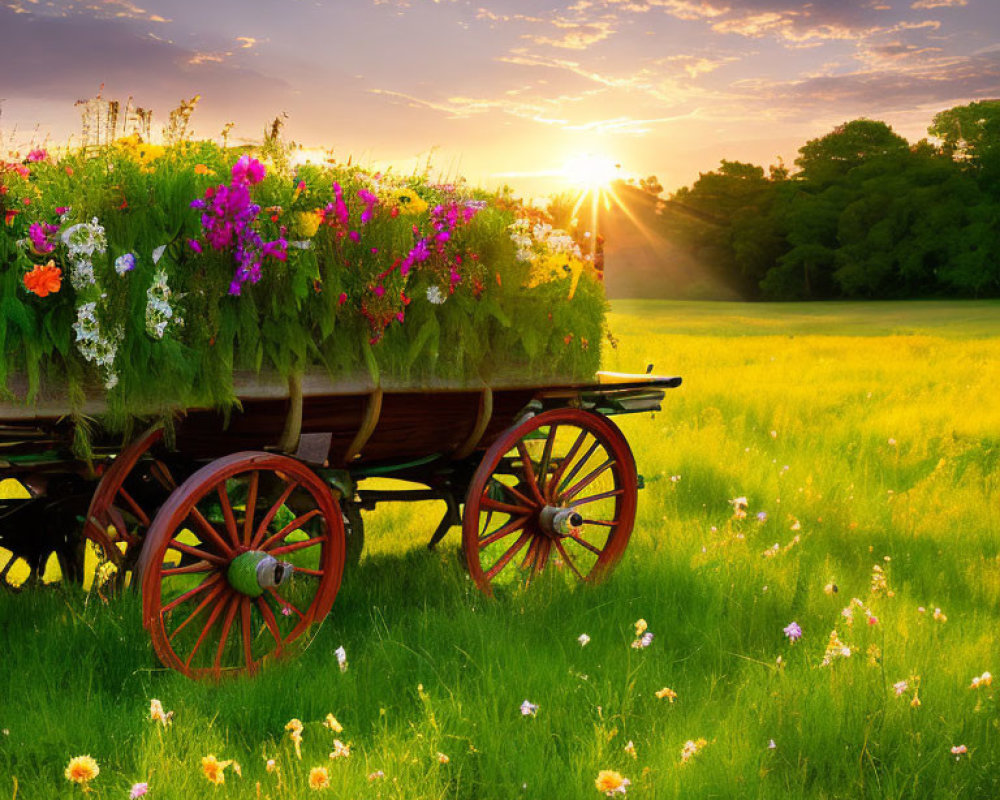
<point>865,439</point>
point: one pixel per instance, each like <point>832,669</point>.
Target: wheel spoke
<point>201,587</point>
<point>118,521</point>
<point>543,466</point>
<point>270,621</point>
<point>294,525</point>
<point>608,523</point>
<point>576,468</point>
<point>209,530</point>
<point>163,476</point>
<point>542,554</point>
<point>245,624</point>
<point>557,474</point>
<point>529,471</point>
<point>211,597</point>
<point>250,507</point>
<point>506,557</point>
<point>258,537</point>
<point>227,513</point>
<point>199,554</point>
<point>291,548</point>
<point>136,508</point>
<point>505,530</point>
<point>283,602</point>
<point>505,508</point>
<point>316,573</point>
<point>198,566</point>
<point>204,631</point>
<point>227,623</point>
<point>581,541</point>
<point>528,502</point>
<point>595,497</point>
<point>593,476</point>
<point>568,561</point>
<point>529,557</point>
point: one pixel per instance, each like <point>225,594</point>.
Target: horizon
<point>500,92</point>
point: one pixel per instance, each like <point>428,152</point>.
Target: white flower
<point>528,709</point>
<point>583,639</point>
<point>341,655</point>
<point>435,295</point>
<point>81,275</point>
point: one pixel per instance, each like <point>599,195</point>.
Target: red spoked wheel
<point>558,489</point>
<point>206,609</point>
<point>120,515</point>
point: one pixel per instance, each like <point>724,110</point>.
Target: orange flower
<point>319,778</point>
<point>611,782</point>
<point>215,770</point>
<point>82,769</point>
<point>44,281</point>
<point>201,169</point>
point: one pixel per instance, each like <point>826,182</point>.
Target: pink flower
<point>248,170</point>
<point>342,299</point>
<point>37,155</point>
<point>379,290</point>
<point>138,790</point>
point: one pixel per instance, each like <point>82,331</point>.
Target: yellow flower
<point>82,769</point>
<point>201,169</point>
<point>156,713</point>
<point>640,627</point>
<point>307,223</point>
<point>215,770</point>
<point>630,749</point>
<point>331,723</point>
<point>442,758</point>
<point>610,782</point>
<point>319,778</point>
<point>410,202</point>
<point>340,750</point>
<point>271,765</point>
<point>294,728</point>
<point>670,694</point>
<point>691,748</point>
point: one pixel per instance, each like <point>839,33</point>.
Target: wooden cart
<point>239,532</point>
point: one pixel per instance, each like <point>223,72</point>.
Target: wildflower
<point>340,750</point>
<point>830,588</point>
<point>294,728</point>
<point>156,713</point>
<point>41,234</point>
<point>611,782</point>
<point>237,768</point>
<point>643,641</point>
<point>959,750</point>
<point>201,169</point>
<point>195,245</point>
<point>319,778</point>
<point>214,770</point>
<point>528,709</point>
<point>442,758</point>
<point>793,631</point>
<point>435,295</point>
<point>44,280</point>
<point>796,525</point>
<point>892,442</point>
<point>981,680</point>
<point>739,505</point>
<point>872,619</point>
<point>271,765</point>
<point>341,655</point>
<point>771,745</point>
<point>667,693</point>
<point>138,790</point>
<point>125,263</point>
<point>82,770</point>
<point>762,516</point>
<point>938,616</point>
<point>915,702</point>
<point>36,155</point>
<point>376,775</point>
<point>900,687</point>
<point>248,170</point>
<point>834,649</point>
<point>691,748</point>
<point>583,639</point>
<point>630,749</point>
<point>331,723</point>
<point>640,627</point>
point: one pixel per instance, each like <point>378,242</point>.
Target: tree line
<point>865,215</point>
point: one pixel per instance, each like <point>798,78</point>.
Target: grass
<point>875,427</point>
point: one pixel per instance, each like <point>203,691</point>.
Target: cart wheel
<point>212,600</point>
<point>118,518</point>
<point>559,488</point>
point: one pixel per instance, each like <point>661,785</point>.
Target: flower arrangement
<point>159,271</point>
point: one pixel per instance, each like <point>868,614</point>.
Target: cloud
<point>246,42</point>
<point>939,3</point>
<point>575,35</point>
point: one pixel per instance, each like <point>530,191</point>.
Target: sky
<point>506,91</point>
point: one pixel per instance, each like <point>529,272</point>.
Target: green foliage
<point>867,215</point>
<point>340,300</point>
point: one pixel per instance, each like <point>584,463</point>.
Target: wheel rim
<point>118,518</point>
<point>201,624</point>
<point>520,511</point>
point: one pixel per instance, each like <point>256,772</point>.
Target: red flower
<point>44,280</point>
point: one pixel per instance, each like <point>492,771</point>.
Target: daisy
<point>82,770</point>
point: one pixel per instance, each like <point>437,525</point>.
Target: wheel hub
<point>253,571</point>
<point>559,522</point>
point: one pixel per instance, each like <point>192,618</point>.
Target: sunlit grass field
<point>865,435</point>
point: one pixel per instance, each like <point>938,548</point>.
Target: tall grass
<point>876,428</point>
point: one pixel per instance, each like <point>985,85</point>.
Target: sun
<point>589,171</point>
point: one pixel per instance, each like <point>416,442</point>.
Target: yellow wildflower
<point>331,723</point>
<point>691,748</point>
<point>981,680</point>
<point>640,627</point>
<point>630,749</point>
<point>319,778</point>
<point>340,750</point>
<point>442,758</point>
<point>410,202</point>
<point>611,782</point>
<point>201,169</point>
<point>670,694</point>
<point>156,713</point>
<point>294,728</point>
<point>215,770</point>
<point>82,769</point>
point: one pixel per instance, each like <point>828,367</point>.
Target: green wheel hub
<point>242,572</point>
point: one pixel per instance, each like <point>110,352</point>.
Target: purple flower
<point>37,155</point>
<point>195,245</point>
<point>762,516</point>
<point>355,236</point>
<point>793,631</point>
<point>41,236</point>
<point>125,263</point>
<point>248,171</point>
<point>138,790</point>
